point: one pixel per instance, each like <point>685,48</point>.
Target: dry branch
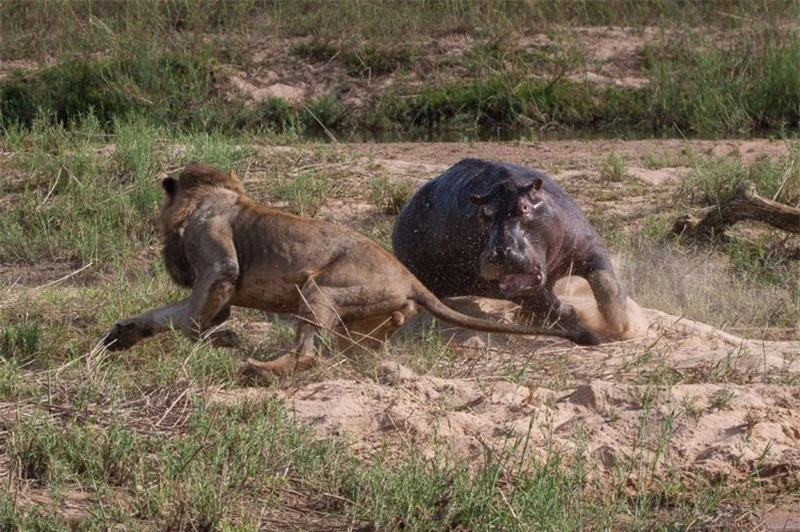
<point>743,204</point>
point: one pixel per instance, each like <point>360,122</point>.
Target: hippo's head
<point>517,219</point>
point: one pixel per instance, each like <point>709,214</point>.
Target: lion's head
<point>183,194</point>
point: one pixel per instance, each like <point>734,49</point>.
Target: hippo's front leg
<point>612,301</point>
<point>546,309</point>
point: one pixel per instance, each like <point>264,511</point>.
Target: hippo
<point>498,230</point>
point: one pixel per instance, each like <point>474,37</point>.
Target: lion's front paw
<point>123,335</point>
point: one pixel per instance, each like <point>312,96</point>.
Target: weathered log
<point>742,204</point>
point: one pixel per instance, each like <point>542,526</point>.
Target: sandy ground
<point>676,394</point>
<point>613,408</point>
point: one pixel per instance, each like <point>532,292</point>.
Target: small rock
<point>606,456</point>
<point>392,373</point>
<point>586,396</point>
<point>395,418</point>
<point>511,395</point>
<point>474,341</point>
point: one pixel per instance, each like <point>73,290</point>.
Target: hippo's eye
<point>528,209</point>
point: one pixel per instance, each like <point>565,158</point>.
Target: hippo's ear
<point>170,186</point>
<point>535,186</point>
<point>478,200</point>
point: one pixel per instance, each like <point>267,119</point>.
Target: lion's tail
<point>427,300</point>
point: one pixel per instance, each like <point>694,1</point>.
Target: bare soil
<point>610,56</point>
<point>682,395</point>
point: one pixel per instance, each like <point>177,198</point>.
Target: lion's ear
<point>170,186</point>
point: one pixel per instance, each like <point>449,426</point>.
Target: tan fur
<point>195,179</point>
<point>233,251</point>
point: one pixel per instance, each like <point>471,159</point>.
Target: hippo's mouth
<point>518,283</point>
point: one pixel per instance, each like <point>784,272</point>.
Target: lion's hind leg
<point>299,358</point>
<point>317,312</point>
<point>370,333</point>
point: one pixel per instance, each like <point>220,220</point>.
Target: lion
<point>232,251</point>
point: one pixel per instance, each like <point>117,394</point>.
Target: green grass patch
<point>73,205</point>
<point>613,169</point>
<point>390,195</point>
<point>19,342</point>
<point>235,465</point>
<point>168,86</point>
<point>713,181</point>
<point>117,64</point>
<point>749,86</point>
<point>496,103</point>
<point>695,87</point>
<point>173,63</point>
<point>383,21</point>
<point>305,194</point>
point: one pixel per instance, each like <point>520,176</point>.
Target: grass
<point>20,342</point>
<point>721,399</point>
<point>207,466</point>
<point>73,206</point>
<point>713,181</point>
<point>148,58</point>
<point>304,195</point>
<point>740,89</point>
<point>59,210</point>
<point>175,492</point>
<point>613,169</point>
<point>725,290</point>
<point>390,196</point>
<point>360,61</point>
